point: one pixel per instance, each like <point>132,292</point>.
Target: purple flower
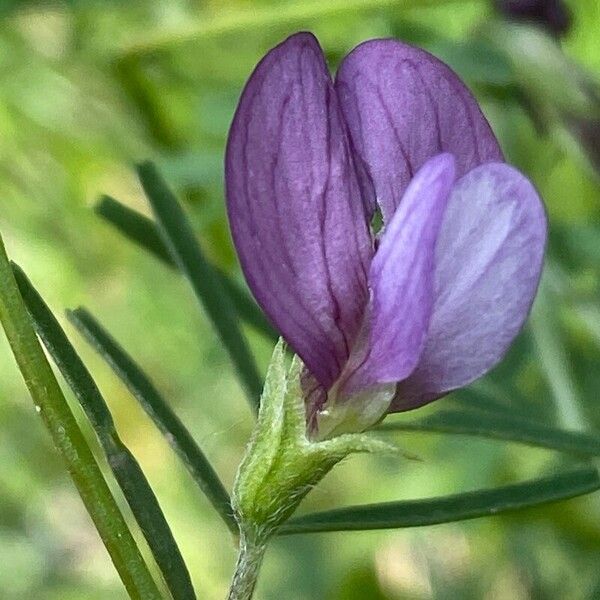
<point>389,321</point>
<point>553,15</point>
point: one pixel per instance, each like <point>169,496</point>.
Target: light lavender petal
<point>489,257</point>
<point>401,281</point>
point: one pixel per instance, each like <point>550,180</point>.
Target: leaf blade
<point>501,426</point>
<point>153,403</point>
<point>143,232</point>
<point>127,472</point>
<point>553,359</point>
<point>179,237</point>
<point>134,226</point>
<point>69,440</point>
<point>446,509</point>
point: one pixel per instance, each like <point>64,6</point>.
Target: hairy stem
<point>248,564</point>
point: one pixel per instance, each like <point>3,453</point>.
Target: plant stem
<point>52,406</point>
<point>248,564</point>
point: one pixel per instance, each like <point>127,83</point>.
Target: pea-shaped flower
<point>384,320</point>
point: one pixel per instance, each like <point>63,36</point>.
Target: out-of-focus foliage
<point>87,88</point>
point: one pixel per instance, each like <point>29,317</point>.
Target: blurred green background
<point>87,88</point>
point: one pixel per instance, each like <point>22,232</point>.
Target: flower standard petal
<point>403,106</point>
<point>294,206</point>
<point>489,257</point>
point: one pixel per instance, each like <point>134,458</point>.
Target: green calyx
<point>282,464</point>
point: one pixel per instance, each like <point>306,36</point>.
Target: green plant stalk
<point>247,567</point>
<point>52,406</point>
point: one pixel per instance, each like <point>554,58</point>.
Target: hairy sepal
<point>282,464</point>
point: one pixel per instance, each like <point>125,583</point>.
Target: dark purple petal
<point>489,258</point>
<point>315,396</point>
<point>294,206</point>
<point>403,106</point>
<point>401,281</point>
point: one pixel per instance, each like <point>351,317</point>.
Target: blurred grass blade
<point>179,237</point>
<point>129,475</point>
<point>142,231</point>
<point>134,226</point>
<point>483,395</point>
<point>446,509</point>
<point>553,359</point>
<point>589,316</point>
<point>260,18</point>
<point>502,427</point>
<point>158,410</point>
<point>52,406</point>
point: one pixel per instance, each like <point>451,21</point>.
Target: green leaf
<point>245,307</point>
<point>446,509</point>
<point>484,395</point>
<point>553,359</point>
<point>142,231</point>
<point>129,475</point>
<point>179,237</point>
<point>158,410</point>
<point>134,226</point>
<point>259,18</point>
<point>52,406</point>
<point>589,316</point>
<point>503,427</point>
